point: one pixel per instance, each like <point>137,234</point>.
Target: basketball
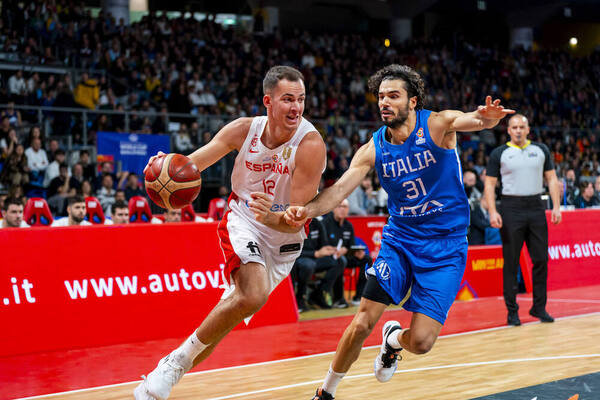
<point>172,181</point>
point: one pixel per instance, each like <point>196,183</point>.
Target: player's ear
<point>267,100</point>
<point>412,102</point>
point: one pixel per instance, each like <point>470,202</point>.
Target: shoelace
<point>320,395</point>
<point>390,356</point>
<point>173,371</point>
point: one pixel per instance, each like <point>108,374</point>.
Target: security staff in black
<point>316,256</point>
<point>340,234</point>
<point>522,166</point>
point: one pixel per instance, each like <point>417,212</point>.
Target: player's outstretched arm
<point>485,117</point>
<point>328,199</point>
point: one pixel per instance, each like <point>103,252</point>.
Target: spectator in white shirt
<point>206,98</point>
<point>106,193</point>
<point>17,85</point>
<point>37,159</point>
<point>52,170</point>
<point>183,142</point>
<point>363,199</point>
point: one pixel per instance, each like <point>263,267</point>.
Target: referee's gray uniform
<point>521,171</point>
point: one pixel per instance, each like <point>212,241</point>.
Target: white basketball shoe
<point>159,383</point>
<point>387,359</point>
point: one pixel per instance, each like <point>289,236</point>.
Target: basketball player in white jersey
<point>280,161</point>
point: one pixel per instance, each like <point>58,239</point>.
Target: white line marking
<point>297,358</point>
<point>473,364</point>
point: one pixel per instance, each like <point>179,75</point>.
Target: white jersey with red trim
<point>260,169</point>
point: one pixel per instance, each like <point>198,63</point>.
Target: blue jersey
<point>426,198</point>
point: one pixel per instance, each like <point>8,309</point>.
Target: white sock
<point>188,351</point>
<point>332,380</point>
<point>394,339</point>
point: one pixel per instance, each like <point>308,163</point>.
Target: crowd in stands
<point>183,65</point>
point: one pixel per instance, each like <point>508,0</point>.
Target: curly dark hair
<point>414,84</point>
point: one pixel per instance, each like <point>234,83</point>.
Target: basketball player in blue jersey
<point>424,244</point>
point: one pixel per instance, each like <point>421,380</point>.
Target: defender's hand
<point>260,205</point>
<point>493,110</point>
<point>295,216</point>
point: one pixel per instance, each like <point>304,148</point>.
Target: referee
<point>522,166</point>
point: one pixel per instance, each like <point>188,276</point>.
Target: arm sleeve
<point>548,163</point>
<point>493,166</point>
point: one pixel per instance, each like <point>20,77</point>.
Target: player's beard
<point>77,218</point>
<point>398,120</point>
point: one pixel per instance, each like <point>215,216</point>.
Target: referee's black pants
<point>524,220</point>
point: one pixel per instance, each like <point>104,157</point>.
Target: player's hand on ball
<point>260,205</point>
<point>295,216</point>
<point>151,160</point>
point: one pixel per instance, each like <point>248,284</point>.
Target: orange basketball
<point>173,181</point>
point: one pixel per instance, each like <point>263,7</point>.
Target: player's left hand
<point>556,216</point>
<point>260,205</point>
<point>493,110</point>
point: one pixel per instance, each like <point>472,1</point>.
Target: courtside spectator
<point>173,216</point>
<point>316,256</point>
<point>170,216</point>
<point>358,258</point>
<point>340,234</point>
<point>12,214</point>
<point>119,213</point>
<point>75,212</point>
<point>586,196</point>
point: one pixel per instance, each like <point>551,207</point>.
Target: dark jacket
<point>316,238</point>
<point>479,222</point>
<point>335,232</point>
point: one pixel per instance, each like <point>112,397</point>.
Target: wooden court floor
<point>461,366</point>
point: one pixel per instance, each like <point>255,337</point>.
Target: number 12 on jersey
<point>268,186</point>
<point>413,190</point>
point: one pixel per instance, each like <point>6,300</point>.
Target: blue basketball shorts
<point>431,269</point>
